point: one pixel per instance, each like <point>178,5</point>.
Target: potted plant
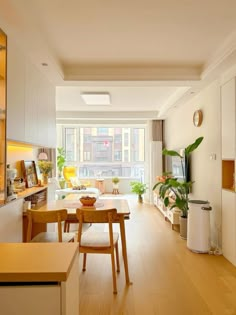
<point>115,181</point>
<point>45,168</point>
<point>61,160</point>
<point>139,189</point>
<point>180,189</point>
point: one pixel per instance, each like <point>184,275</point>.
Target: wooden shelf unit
<point>228,174</point>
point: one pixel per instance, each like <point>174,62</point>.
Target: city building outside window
<point>105,151</point>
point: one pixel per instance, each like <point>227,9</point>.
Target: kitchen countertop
<point>36,262</point>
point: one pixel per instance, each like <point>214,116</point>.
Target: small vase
<point>45,179</point>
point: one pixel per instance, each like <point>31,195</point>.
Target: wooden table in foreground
<point>123,212</point>
<point>39,278</point>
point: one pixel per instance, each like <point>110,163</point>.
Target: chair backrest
<point>96,216</point>
<point>52,216</point>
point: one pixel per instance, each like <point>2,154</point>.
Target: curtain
<point>157,130</point>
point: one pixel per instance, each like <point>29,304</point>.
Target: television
<point>179,171</point>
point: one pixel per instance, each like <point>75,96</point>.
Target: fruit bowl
<point>88,201</point>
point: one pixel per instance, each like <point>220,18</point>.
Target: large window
<point>105,151</point>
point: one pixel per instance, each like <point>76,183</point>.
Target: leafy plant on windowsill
<point>61,160</point>
<point>180,190</point>
<point>115,180</point>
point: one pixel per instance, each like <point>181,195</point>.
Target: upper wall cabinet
<point>228,102</point>
<point>31,102</point>
<point>16,94</point>
<point>3,56</point>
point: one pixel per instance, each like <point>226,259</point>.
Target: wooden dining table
<point>71,203</point>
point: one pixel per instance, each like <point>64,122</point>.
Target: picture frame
<point>29,173</point>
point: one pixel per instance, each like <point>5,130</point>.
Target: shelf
<point>228,180</point>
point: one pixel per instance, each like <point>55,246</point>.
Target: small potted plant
<point>139,189</point>
<point>45,168</point>
<point>115,181</point>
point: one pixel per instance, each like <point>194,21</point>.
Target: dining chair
<point>52,216</point>
<point>98,242</point>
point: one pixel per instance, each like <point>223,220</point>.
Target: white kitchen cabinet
<point>31,115</point>
<point>228,101</point>
<point>229,225</point>
<point>11,221</point>
<point>15,93</point>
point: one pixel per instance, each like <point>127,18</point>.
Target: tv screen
<point>180,170</point>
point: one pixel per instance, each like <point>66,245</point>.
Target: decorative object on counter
<point>139,189</point>
<point>29,173</point>
<point>11,175</point>
<point>80,187</point>
<point>19,185</point>
<point>88,201</point>
<point>40,183</point>
<point>69,172</point>
<point>45,168</point>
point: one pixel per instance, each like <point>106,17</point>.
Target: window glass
<point>105,152</point>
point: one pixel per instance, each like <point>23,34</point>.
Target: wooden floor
<point>168,279</point>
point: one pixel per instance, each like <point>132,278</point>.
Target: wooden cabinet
<point>13,224</point>
<point>100,184</point>
<point>3,49</point>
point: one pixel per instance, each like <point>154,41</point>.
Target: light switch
<point>212,156</point>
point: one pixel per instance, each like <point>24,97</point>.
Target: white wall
<point>180,132</point>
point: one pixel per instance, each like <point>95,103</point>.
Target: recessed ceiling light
<point>96,98</point>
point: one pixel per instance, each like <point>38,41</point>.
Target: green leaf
<point>166,201</point>
<point>193,146</point>
<point>171,153</point>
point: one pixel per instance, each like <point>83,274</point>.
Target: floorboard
<point>168,279</point>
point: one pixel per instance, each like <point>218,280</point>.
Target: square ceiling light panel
<point>92,98</point>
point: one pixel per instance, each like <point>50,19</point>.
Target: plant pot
<point>45,179</point>
<point>62,183</point>
<point>140,198</point>
<point>183,222</point>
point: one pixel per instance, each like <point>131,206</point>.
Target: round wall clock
<point>197,118</point>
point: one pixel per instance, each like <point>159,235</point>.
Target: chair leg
<point>117,258</point>
<point>113,272</point>
<point>68,227</point>
<point>84,261</point>
<point>65,226</point>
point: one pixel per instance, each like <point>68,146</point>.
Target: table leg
<point>124,249</point>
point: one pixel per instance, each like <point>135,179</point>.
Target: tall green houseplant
<point>179,189</point>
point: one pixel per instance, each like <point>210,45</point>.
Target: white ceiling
<point>149,55</point>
